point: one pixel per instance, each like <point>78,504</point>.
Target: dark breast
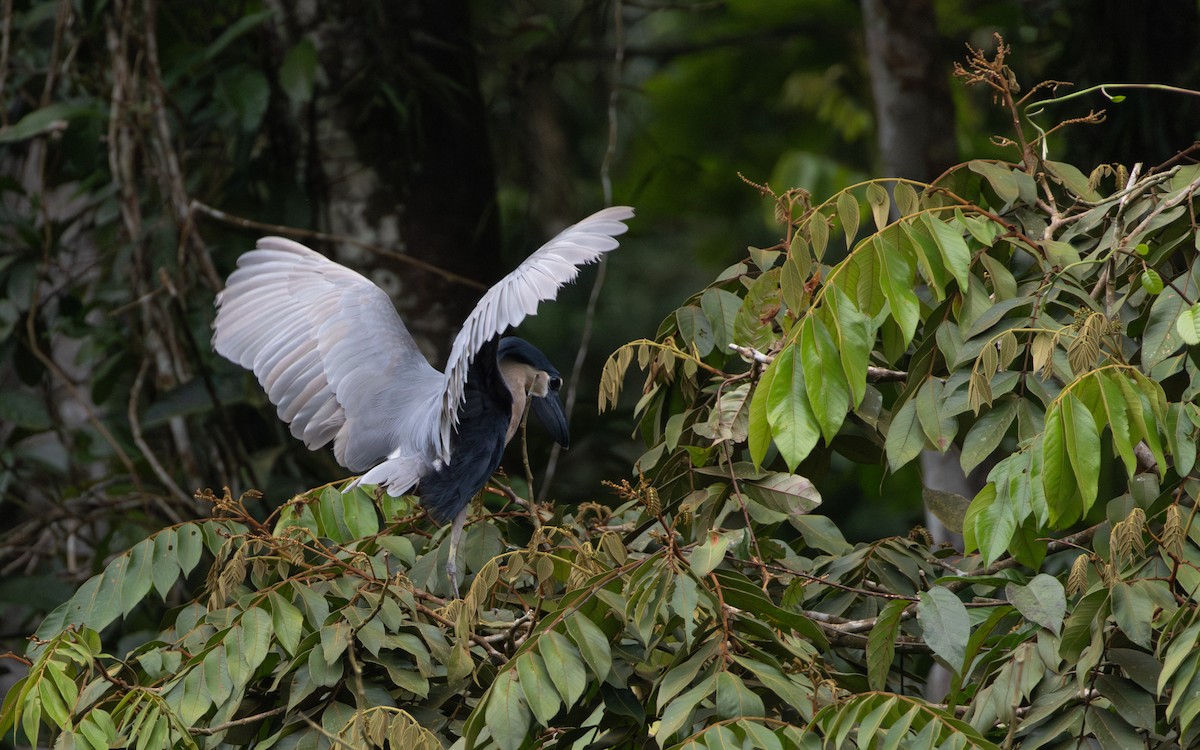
<point>477,445</point>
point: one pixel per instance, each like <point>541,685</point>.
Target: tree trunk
<point>910,82</point>
<point>395,151</point>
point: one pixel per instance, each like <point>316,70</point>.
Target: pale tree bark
<point>393,150</point>
<point>915,136</point>
<point>910,83</point>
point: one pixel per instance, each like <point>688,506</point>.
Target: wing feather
<point>517,295</point>
<point>332,355</point>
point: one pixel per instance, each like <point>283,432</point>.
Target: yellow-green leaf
<point>508,716</point>
<point>905,439</point>
<point>564,666</point>
<point>592,643</point>
<point>955,253</point>
<point>539,692</point>
<point>848,212</point>
<point>1188,324</point>
<point>853,335</point>
<point>793,424</point>
<point>824,379</point>
<point>898,269</point>
<point>1082,441</point>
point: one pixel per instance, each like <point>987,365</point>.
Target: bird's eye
<point>555,383</point>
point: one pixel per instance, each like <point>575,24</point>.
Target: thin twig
<point>874,374</point>
<point>217,728</point>
<point>239,221</point>
<point>610,151</point>
<point>135,429</point>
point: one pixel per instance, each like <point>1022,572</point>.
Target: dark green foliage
<point>1041,320</point>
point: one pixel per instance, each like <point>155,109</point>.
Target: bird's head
<point>524,364</point>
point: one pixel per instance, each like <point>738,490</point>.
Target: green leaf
<point>792,279</point>
<point>1082,440</point>
<point>299,72</point>
<point>905,440</point>
<point>1086,617</point>
<point>540,694</point>
<point>508,716</point>
<point>191,546</point>
<point>848,212</point>
<point>708,555</point>
<point>985,435</point>
<point>928,256</point>
<point>287,622</point>
<point>955,253</point>
<point>758,436</point>
<point>1043,600</point>
<point>905,195</point>
<point>193,700</point>
<point>1130,700</point>
<point>335,637</point>
<point>754,322</point>
<point>695,329</point>
<point>680,710</point>
<point>1071,178</point>
<point>256,637</point>
<point>358,513</point>
<point>877,196</point>
<point>1058,478</point>
<point>946,625</point>
<point>1133,610</point>
<point>793,690</point>
<point>137,576</point>
<point>165,566</point>
<point>47,118</point>
<point>676,678</point>
<point>1111,731</point>
<point>1188,324</point>
<point>820,532</point>
<point>592,643</point>
<point>1161,337</point>
<point>825,381</point>
<point>235,30</point>
<point>218,677</point>
<point>244,92</point>
<point>793,425</point>
<point>1152,282</point>
<point>1000,177</point>
<point>564,666</point>
<point>854,335</point>
<point>1181,433</point>
<point>685,597</point>
<point>818,233</point>
<point>1116,414</point>
<point>1004,283</point>
<point>881,644</point>
<point>734,699</point>
<point>948,507</point>
<point>52,703</point>
<point>721,308</point>
<point>938,426</point>
<point>898,269</point>
<point>785,493</point>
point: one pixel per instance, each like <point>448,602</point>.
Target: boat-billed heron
<point>334,357</point>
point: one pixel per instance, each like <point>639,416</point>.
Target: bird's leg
<point>525,456</point>
<point>456,530</point>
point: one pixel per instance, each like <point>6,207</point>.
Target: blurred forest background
<point>432,144</point>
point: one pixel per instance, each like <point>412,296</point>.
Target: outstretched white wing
<point>517,295</point>
<point>333,356</point>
